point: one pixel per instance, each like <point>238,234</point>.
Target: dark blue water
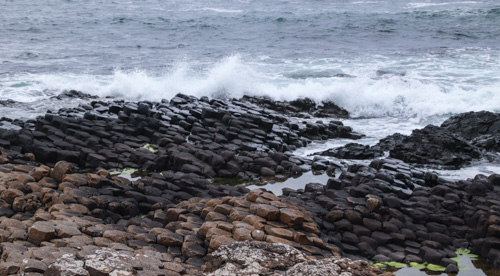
<point>407,56</point>
<point>405,62</point>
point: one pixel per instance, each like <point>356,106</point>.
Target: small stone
<point>258,235</point>
<point>267,172</point>
<point>451,268</point>
<point>41,231</point>
<point>291,216</point>
<point>60,169</point>
<point>303,239</point>
<point>66,229</point>
<point>9,268</point>
<point>10,195</point>
<point>40,172</point>
<point>172,214</point>
<point>170,239</point>
<point>266,211</point>
<point>253,220</point>
<point>274,239</point>
<point>253,195</point>
<point>32,265</point>
<point>219,240</point>
<point>76,178</point>
<point>372,203</point>
<point>281,233</point>
<point>116,236</point>
<point>190,249</point>
<point>214,216</point>
<point>237,214</point>
<point>242,234</point>
<point>224,209</point>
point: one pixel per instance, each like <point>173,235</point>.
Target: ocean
<point>395,65</point>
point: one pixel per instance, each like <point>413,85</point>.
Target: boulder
<point>60,169</point>
<point>354,151</point>
<point>436,146</point>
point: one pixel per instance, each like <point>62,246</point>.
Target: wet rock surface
<point>62,210</point>
<point>235,138</point>
<point>458,141</point>
<point>481,128</point>
<point>354,151</point>
<point>435,145</point>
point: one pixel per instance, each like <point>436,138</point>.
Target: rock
<point>434,145</point>
<point>473,124</point>
<point>267,172</point>
<point>373,203</point>
<point>106,261</point>
<point>219,240</point>
<point>40,172</point>
<point>242,234</point>
<point>10,195</point>
<point>190,250</point>
<point>41,231</point>
<point>451,268</point>
<point>9,268</point>
<point>291,216</point>
<point>32,265</point>
<point>67,265</point>
<point>60,169</point>
<point>214,216</point>
<point>245,258</point>
<point>266,211</point>
<point>354,151</point>
<point>170,239</point>
<point>254,258</point>
<point>258,235</point>
<point>116,236</point>
<point>76,179</point>
<point>281,233</point>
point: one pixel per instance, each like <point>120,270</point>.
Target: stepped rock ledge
<point>63,210</point>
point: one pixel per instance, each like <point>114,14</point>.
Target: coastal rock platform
<point>64,210</point>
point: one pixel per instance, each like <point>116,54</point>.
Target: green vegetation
<point>130,172</point>
<point>433,267</point>
<point>149,147</point>
<point>429,267</point>
<point>418,265</point>
<point>127,171</point>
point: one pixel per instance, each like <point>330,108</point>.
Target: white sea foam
<point>412,95</point>
<point>427,4</point>
<point>222,10</point>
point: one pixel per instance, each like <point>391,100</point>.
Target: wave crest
<point>366,93</point>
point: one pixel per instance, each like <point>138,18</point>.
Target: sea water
<point>394,65</point>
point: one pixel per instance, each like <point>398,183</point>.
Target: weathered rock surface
<point>54,221</point>
<point>459,140</point>
<point>435,145</point>
<point>258,258</point>
<point>354,151</point>
<point>237,138</point>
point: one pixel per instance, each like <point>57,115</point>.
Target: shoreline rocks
<point>208,138</point>
<point>459,140</point>
<point>60,207</point>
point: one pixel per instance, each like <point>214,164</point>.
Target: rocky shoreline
<point>63,211</point>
